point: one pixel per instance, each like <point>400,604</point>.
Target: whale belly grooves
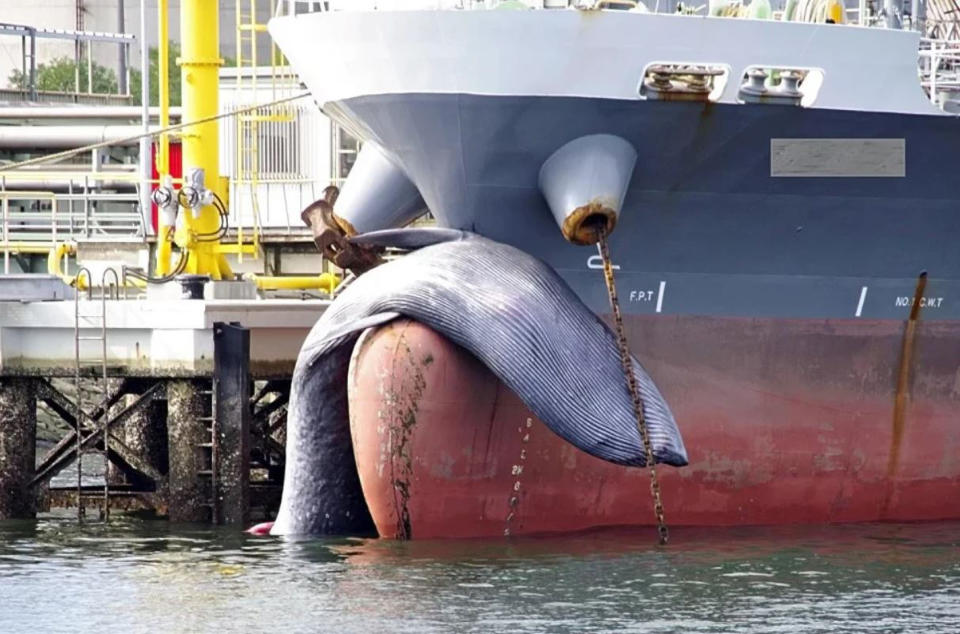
<point>516,316</point>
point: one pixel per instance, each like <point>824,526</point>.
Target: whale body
<point>514,314</point>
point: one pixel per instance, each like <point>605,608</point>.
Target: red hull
<point>784,422</point>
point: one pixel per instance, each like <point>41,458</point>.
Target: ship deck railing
<point>940,69</point>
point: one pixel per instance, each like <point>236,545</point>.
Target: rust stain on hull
<point>903,386</point>
<point>406,400</point>
<point>585,223</point>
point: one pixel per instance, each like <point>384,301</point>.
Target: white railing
<point>292,166</point>
<point>443,5</point>
<point>293,7</point>
<point>42,219</point>
<point>940,71</point>
<point>945,13</point>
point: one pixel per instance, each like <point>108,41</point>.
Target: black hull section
<point>703,215</point>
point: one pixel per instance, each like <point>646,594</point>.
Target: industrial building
<point>96,243</point>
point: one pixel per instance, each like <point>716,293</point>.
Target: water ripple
<point>150,576</point>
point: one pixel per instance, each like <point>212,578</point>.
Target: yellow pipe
<point>23,247</point>
<point>199,64</point>
<point>324,281</point>
<point>164,230</point>
<point>836,12</point>
<point>164,247</point>
<point>55,255</point>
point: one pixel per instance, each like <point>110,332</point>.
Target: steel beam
<point>65,34</point>
<point>54,464</point>
<point>231,380</point>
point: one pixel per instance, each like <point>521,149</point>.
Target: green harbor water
<point>150,576</point>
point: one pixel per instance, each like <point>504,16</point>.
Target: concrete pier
<point>189,494</point>
<point>163,357</point>
<point>18,435</point>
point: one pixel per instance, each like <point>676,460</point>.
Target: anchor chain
<point>632,386</point>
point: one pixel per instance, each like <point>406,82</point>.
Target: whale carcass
<point>507,308</point>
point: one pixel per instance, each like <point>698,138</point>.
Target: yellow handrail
<point>57,253</point>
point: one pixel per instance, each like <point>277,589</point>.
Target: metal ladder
<point>248,125</point>
<point>92,320</point>
<point>255,153</point>
<point>210,451</point>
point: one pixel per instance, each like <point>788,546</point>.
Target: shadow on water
<point>154,576</point>
<point>855,540</point>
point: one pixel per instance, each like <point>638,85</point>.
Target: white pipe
<point>145,143</point>
<point>58,168</point>
<point>81,112</point>
<point>57,136</point>
<point>63,185</point>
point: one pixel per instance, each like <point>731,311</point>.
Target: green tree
<point>173,75</point>
<point>60,75</point>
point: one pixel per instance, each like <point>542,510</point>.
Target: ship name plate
<point>925,302</point>
<point>838,158</point>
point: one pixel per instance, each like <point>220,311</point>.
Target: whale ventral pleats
<point>498,303</point>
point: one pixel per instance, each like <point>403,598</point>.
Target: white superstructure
<point>601,54</point>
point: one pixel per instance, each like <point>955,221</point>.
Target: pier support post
<point>186,433</point>
<point>146,434</point>
<point>231,354</point>
<point>18,441</point>
<point>114,474</point>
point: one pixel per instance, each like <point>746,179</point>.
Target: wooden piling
<point>145,432</point>
<point>186,432</point>
<point>18,440</point>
